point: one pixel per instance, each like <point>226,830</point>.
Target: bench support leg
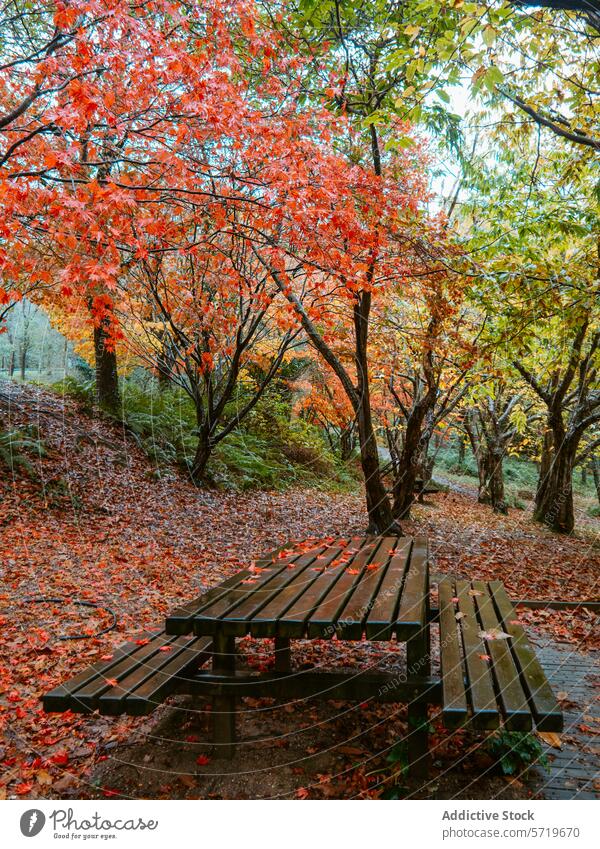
<point>418,663</point>
<point>282,654</point>
<point>223,707</point>
<point>417,659</point>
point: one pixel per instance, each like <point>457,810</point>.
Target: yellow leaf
<point>412,31</point>
<point>551,738</point>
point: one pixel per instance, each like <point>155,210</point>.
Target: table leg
<point>223,707</point>
<point>418,662</point>
<point>282,654</point>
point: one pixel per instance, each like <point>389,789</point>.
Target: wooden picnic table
<point>354,588</point>
<point>350,588</point>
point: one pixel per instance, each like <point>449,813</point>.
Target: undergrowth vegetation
<point>273,448</point>
<point>520,476</point>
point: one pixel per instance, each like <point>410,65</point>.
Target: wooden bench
<point>426,488</point>
<point>138,677</point>
<point>486,680</point>
<point>142,673</point>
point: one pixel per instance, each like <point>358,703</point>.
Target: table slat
<point>413,601</point>
<point>381,616</point>
<point>237,621</point>
<point>293,622</point>
<point>266,622</point>
<point>206,621</point>
<point>350,620</point>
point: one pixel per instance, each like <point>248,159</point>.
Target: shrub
<point>16,444</point>
<point>515,751</point>
<point>74,387</point>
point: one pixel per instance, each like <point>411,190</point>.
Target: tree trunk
<point>584,475</point>
<point>165,364</point>
<point>201,457</point>
<point>408,466</point>
<point>381,520</point>
<point>484,465</point>
<point>379,509</point>
<point>11,364</point>
<point>554,496</point>
<point>204,448</point>
<point>595,464</point>
<point>107,378</point>
<point>346,443</point>
<point>545,455</point>
<point>461,451</point>
<point>22,362</point>
<point>492,490</point>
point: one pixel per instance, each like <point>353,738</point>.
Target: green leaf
<point>493,77</point>
<point>489,36</point>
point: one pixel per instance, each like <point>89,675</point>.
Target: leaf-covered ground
<point>91,521</point>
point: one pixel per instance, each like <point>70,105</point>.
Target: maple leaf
<point>202,760</point>
<point>23,788</point>
<point>302,793</point>
<point>494,634</point>
<point>43,777</point>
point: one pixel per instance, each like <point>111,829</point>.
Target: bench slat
<point>454,706</point>
<point>513,700</point>
<point>145,675</point>
<point>88,695</point>
<point>547,713</point>
<point>145,697</point>
<point>60,698</point>
<point>186,654</point>
<point>481,687</point>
